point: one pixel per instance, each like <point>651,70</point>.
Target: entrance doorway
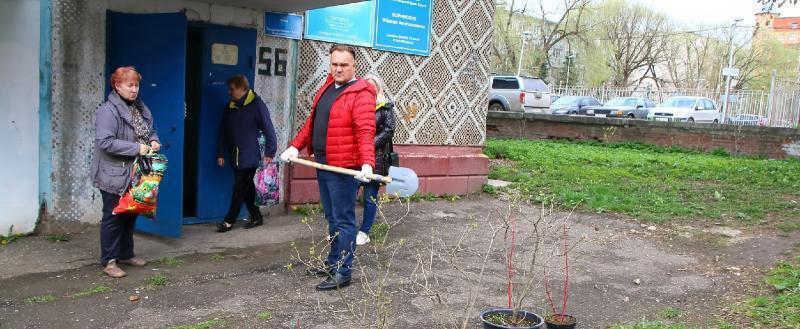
<point>214,53</point>
<point>184,66</point>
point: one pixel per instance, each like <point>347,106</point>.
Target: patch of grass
<point>789,226</point>
<point>216,323</point>
<point>496,318</point>
<point>96,289</point>
<point>265,315</point>
<point>724,325</point>
<point>781,310</point>
<point>217,257</point>
<point>170,261</point>
<point>307,210</point>
<point>158,280</point>
<point>450,197</point>
<point>62,237</point>
<point>647,182</point>
<point>379,232</point>
<point>650,325</point>
<point>416,197</point>
<point>671,312</point>
<point>10,237</point>
<point>39,299</point>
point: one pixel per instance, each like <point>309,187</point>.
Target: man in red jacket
<point>339,132</point>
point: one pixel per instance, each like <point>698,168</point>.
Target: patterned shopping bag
<point>267,183</point>
<point>140,198</point>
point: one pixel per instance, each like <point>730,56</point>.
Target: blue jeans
<point>370,205</point>
<point>338,194</point>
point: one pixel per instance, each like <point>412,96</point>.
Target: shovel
<point>401,181</point>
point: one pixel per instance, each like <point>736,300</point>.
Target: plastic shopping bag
<point>267,182</point>
<point>140,198</point>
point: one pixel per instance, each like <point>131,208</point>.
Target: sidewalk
<point>35,254</point>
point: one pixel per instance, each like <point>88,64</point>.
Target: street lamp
<point>728,76</point>
<point>570,56</point>
<point>522,51</point>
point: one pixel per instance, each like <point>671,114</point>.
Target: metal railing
<point>780,107</point>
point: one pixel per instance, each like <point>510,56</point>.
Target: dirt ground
<point>425,275</point>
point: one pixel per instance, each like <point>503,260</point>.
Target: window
<point>534,84</point>
<point>505,83</point>
<point>700,105</point>
<point>650,103</point>
<point>792,36</point>
<point>794,25</point>
<point>710,105</point>
<point>781,37</point>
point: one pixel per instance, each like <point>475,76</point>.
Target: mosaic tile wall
<point>441,99</point>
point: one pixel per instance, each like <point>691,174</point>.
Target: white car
<point>686,109</point>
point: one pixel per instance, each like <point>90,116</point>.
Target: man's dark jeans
<point>338,196</point>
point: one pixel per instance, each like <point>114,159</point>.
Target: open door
<point>156,45</point>
<point>225,51</point>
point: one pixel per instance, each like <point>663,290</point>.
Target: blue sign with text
<point>283,25</point>
<point>351,24</point>
<point>403,26</point>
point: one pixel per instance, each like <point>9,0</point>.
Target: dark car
<point>573,105</point>
<point>748,120</point>
<point>623,107</point>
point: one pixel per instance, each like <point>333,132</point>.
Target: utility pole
<point>522,51</point>
<point>726,103</point>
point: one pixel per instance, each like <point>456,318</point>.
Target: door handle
<point>173,129</point>
<point>165,146</point>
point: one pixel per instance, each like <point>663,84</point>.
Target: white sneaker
<point>362,238</point>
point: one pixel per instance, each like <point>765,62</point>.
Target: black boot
<point>334,282</point>
<point>253,223</point>
<point>222,228</point>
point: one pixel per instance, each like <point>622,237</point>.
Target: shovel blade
<point>404,182</point>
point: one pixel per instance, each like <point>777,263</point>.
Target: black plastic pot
<point>539,322</point>
<point>571,325</point>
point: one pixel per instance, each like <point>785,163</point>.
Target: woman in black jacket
<point>246,117</point>
<point>384,131</point>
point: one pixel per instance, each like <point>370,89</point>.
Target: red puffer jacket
<point>351,127</point>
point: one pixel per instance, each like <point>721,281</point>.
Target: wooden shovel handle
<point>345,171</point>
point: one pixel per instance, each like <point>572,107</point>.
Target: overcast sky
<point>712,12</point>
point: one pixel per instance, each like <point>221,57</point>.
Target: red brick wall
<point>776,143</point>
<point>456,170</point>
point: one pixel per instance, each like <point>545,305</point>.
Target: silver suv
<point>515,93</point>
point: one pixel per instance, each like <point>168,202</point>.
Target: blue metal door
<point>227,51</point>
<point>156,45</point>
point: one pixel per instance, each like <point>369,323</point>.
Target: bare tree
<point>690,61</point>
<point>570,22</point>
<point>635,36</point>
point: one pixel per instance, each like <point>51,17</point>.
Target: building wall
<point>775,143</point>
<point>19,103</point>
<point>441,99</point>
<point>78,88</point>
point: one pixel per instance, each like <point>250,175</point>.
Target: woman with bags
<point>246,116</point>
<point>124,129</point>
<point>384,131</point>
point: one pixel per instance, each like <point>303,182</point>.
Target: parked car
<point>686,109</point>
<point>573,105</point>
<point>515,93</point>
<point>623,107</point>
<point>748,120</point>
